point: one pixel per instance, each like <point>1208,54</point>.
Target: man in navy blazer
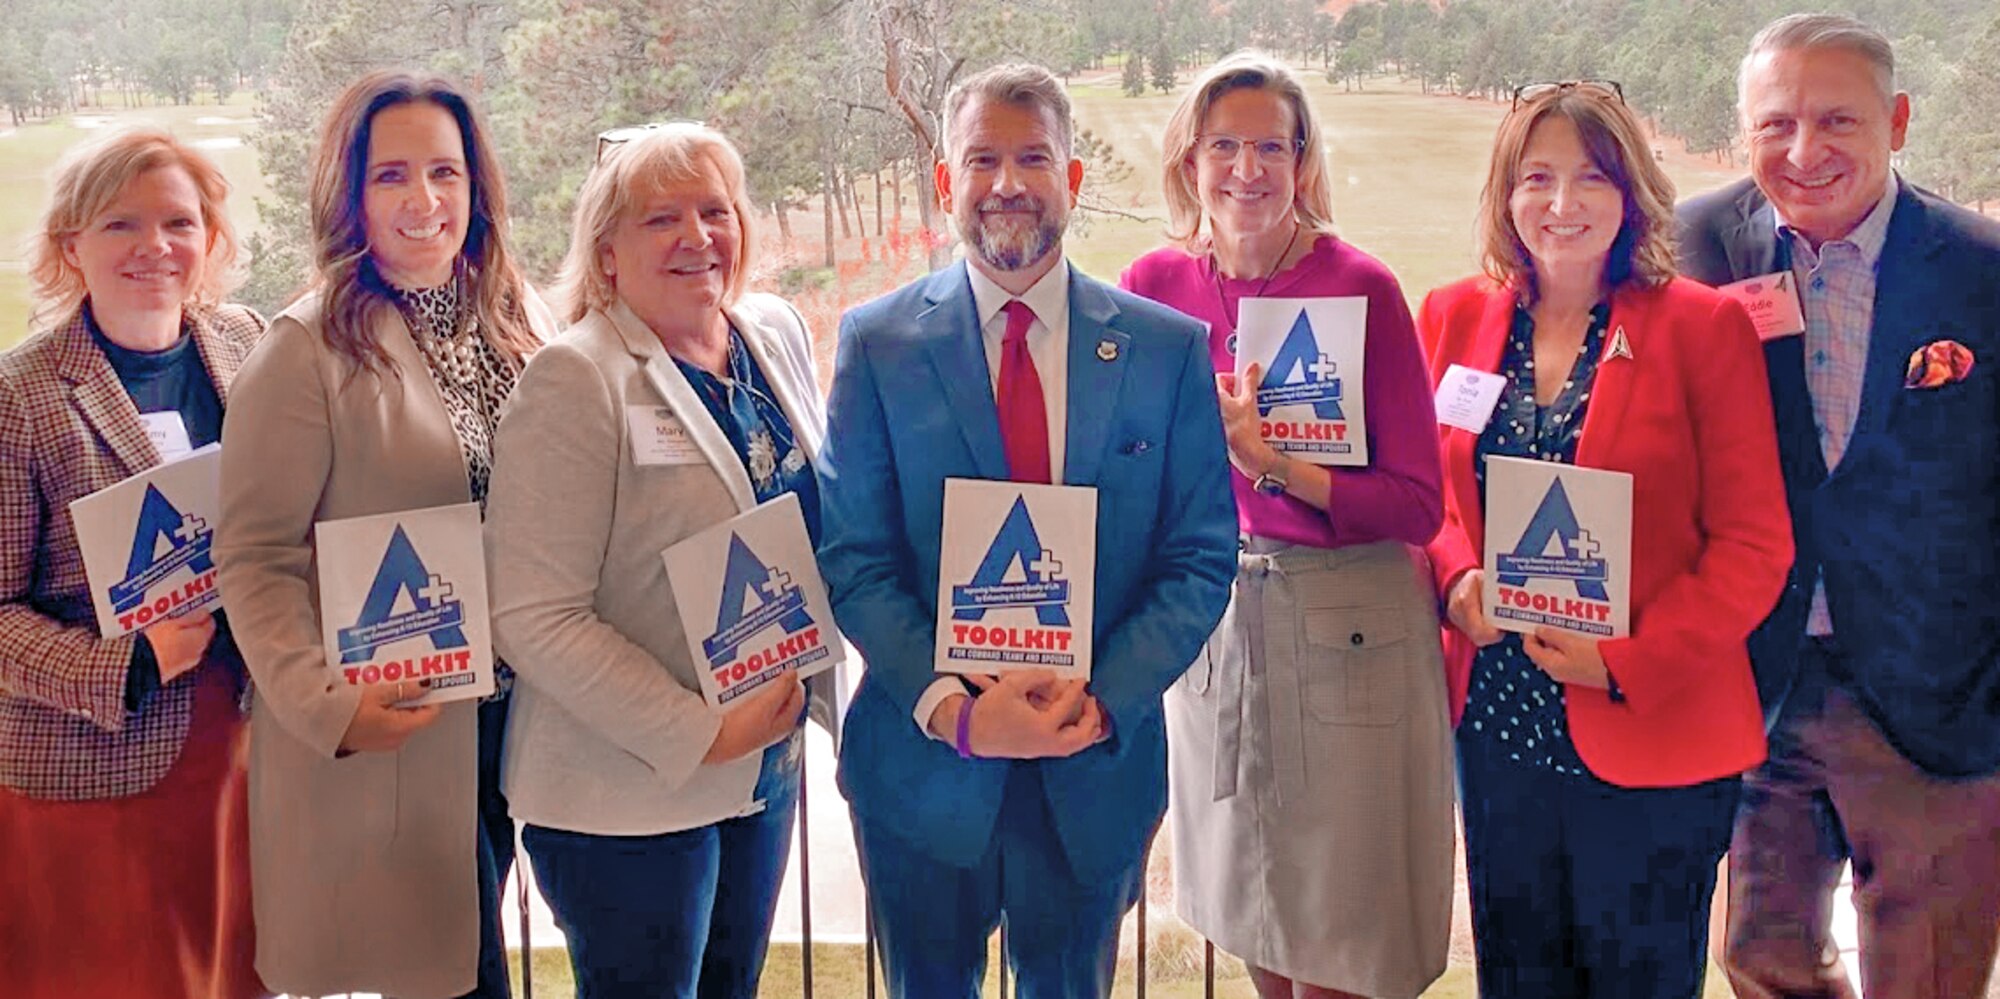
<point>1026,795</point>
<point>1878,667</point>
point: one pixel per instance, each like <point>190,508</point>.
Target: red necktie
<point>1024,419</point>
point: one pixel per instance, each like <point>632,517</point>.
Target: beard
<point>1015,248</point>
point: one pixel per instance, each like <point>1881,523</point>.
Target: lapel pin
<point>1107,350</point>
<point>1620,347</point>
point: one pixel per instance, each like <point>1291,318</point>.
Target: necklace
<point>1215,272</point>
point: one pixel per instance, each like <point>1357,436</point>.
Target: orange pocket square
<point>1936,364</point>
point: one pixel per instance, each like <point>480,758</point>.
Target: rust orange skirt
<point>145,896</point>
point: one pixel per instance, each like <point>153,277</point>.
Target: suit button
<point>1355,639</point>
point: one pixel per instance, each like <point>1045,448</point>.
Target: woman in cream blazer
<point>373,394</point>
<point>658,828</point>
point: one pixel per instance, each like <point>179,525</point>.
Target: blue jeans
<point>684,914</point>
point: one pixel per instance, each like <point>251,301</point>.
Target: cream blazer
<point>608,726</point>
<point>363,868</point>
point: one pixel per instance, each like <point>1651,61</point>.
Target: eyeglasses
<point>1218,147</point>
<point>1531,92</point>
<point>610,139</point>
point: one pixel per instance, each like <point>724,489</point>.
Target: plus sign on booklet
<point>752,603</point>
<point>1309,401</point>
<point>402,596</point>
<point>1016,577</point>
<point>145,542</point>
<point>1558,547</point>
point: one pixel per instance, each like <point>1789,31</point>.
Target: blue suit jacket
<point>912,405</point>
<point>1905,529</point>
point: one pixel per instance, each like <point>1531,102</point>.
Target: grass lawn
<point>838,973</point>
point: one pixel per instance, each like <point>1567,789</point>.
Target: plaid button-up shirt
<point>1836,284</point>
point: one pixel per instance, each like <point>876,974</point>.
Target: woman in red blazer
<point>1599,777</point>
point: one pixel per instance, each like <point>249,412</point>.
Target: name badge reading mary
<point>1016,577</point>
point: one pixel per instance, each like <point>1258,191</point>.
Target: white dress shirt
<point>1048,345</point>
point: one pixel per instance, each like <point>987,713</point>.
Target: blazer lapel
<point>1617,375</point>
<point>219,353</point>
<point>1752,247</point>
<point>950,333</point>
<point>1904,291</point>
<point>102,398</point>
<point>1097,363</point>
<point>666,379</point>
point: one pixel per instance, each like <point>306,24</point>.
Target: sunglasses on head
<point>1528,93</point>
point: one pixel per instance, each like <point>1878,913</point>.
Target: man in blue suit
<point>1878,667</point>
<point>1025,795</point>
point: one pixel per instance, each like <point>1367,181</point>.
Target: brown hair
<point>630,172</point>
<point>355,293</point>
<point>85,182</point>
<point>1247,69</point>
<point>1643,252</point>
<point>1018,84</point>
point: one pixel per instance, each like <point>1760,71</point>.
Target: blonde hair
<point>355,293</point>
<point>1246,69</point>
<point>1643,252</point>
<point>629,173</point>
<point>84,184</point>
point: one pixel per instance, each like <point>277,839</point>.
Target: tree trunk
<point>896,189</point>
<point>827,209</point>
<point>837,187</point>
<point>784,221</point>
<point>878,200</point>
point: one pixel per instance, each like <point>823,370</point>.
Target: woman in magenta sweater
<point>1309,749</point>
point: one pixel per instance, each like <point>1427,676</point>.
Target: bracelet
<point>964,741</point>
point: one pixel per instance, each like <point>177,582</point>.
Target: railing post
<point>1139,981</point>
<point>805,882</point>
<point>868,938</point>
<point>1003,954</point>
<point>527,931</point>
<point>1208,969</point>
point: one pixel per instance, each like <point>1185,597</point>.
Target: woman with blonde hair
<point>1308,749</point>
<point>658,827</point>
<point>123,847</point>
<point>378,836</point>
<point>1598,777</point>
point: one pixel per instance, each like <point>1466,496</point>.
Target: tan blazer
<point>608,726</point>
<point>363,868</point>
<point>68,429</point>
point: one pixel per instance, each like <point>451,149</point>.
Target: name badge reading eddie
<point>1773,303</point>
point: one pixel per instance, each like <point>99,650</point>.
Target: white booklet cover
<point>752,603</point>
<point>146,540</point>
<point>1310,402</point>
<point>402,596</point>
<point>1016,577</point>
<point>1558,547</point>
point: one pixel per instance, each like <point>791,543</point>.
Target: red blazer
<point>1689,416</point>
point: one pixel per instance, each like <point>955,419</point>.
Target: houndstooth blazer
<point>68,429</point>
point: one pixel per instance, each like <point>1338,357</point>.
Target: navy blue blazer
<point>1906,528</point>
<point>911,405</point>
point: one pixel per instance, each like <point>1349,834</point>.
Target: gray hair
<point>1823,31</point>
<point>1023,85</point>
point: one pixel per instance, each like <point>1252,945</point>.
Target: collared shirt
<point>1048,344</point>
<point>1836,284</point>
<point>1510,702</point>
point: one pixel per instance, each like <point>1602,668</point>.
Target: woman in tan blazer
<point>378,391</point>
<point>123,855</point>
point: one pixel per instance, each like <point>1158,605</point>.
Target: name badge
<point>660,438</point>
<point>1465,398</point>
<point>168,433</point>
<point>1773,303</point>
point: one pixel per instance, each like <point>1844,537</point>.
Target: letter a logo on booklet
<point>403,597</point>
<point>145,543</point>
<point>1309,401</point>
<point>1016,576</point>
<point>766,614</point>
<point>1558,547</point>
